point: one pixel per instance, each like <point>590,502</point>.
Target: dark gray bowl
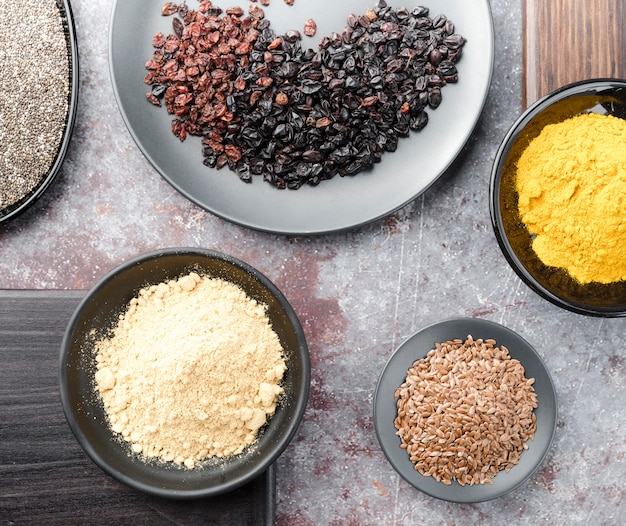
<point>27,200</point>
<point>85,413</point>
<point>606,96</point>
<point>415,348</point>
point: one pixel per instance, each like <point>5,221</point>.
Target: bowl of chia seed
<point>38,104</point>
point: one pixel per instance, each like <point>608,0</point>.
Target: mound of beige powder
<point>192,370</point>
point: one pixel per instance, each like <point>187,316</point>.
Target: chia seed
<point>34,95</point>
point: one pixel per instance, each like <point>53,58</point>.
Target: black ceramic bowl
<point>605,96</point>
<point>85,413</point>
<point>13,210</point>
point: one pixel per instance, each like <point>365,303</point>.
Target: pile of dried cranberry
<point>267,107</point>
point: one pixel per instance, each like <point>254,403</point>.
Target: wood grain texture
<point>45,477</point>
<point>570,40</point>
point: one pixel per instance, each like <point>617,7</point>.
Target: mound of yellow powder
<point>571,182</point>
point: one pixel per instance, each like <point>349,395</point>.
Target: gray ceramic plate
<point>415,348</point>
<point>340,203</point>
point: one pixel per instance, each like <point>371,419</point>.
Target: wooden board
<point>570,40</point>
<point>45,477</point>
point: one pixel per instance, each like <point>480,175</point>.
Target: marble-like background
<point>359,294</point>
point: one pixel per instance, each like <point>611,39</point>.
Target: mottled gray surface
<point>359,294</point>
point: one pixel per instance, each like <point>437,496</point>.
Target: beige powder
<point>191,371</point>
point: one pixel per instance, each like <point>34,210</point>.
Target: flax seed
<point>473,412</point>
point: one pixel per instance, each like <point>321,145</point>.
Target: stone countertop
<point>358,294</point>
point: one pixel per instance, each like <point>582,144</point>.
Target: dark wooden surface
<point>45,477</point>
<point>570,40</point>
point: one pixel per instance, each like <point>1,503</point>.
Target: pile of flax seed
<point>466,412</point>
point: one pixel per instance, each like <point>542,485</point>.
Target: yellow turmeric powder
<point>571,183</point>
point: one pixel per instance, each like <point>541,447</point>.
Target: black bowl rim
<point>28,200</point>
<point>299,402</point>
<point>494,194</point>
